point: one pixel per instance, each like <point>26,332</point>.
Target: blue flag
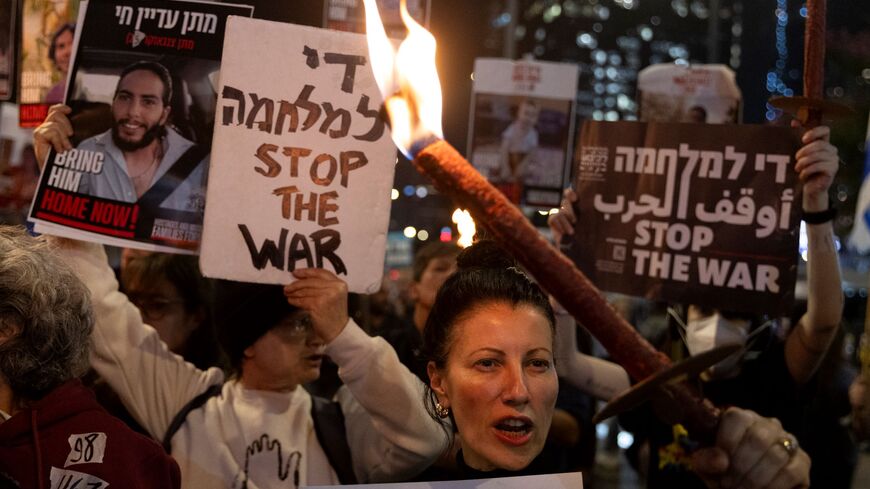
<point>859,238</point>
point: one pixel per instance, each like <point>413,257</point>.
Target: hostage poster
<point>350,15</point>
<point>47,32</point>
<point>8,31</point>
<point>522,127</point>
<point>302,165</point>
<point>702,214</point>
<point>142,95</point>
<point>698,93</point>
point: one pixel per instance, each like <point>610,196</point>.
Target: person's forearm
<point>813,334</point>
<point>597,377</point>
<point>389,431</point>
<point>152,382</point>
<point>810,340</point>
<point>824,284</point>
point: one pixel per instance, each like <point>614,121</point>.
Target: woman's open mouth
<point>514,431</point>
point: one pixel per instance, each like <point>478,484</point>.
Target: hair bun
<point>485,253</point>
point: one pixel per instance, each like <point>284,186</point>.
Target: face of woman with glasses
<point>163,308</point>
<point>287,355</point>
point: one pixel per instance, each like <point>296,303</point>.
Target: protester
<point>276,343</point>
<point>489,341</point>
<point>826,406</point>
<point>176,300</point>
<point>770,375</point>
<point>433,263</point>
<point>52,431</point>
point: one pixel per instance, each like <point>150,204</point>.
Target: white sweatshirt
<point>257,439</point>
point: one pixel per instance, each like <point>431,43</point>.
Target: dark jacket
<point>67,440</point>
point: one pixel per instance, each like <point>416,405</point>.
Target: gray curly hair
<point>45,317</point>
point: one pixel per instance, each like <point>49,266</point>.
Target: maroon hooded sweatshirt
<point>66,440</point>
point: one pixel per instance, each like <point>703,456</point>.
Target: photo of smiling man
<point>144,159</point>
<point>126,155</point>
<point>140,150</point>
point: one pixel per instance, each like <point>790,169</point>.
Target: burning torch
<point>408,80</point>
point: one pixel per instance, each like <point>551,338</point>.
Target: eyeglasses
<point>153,308</point>
<point>294,328</point>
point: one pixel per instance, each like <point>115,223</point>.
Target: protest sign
<point>47,30</point>
<point>696,93</point>
<point>350,15</point>
<point>522,127</point>
<point>143,102</point>
<point>702,214</point>
<point>8,29</point>
<point>302,165</point>
<point>572,480</point>
<point>19,172</point>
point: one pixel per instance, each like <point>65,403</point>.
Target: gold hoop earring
<point>441,411</point>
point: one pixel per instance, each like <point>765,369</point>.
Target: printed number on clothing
<point>86,448</point>
<point>70,479</point>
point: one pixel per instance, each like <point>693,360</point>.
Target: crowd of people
<point>485,377</point>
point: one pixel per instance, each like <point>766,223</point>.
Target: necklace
<point>140,183</point>
<point>150,165</point>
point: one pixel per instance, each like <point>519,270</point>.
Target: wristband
<point>820,217</point>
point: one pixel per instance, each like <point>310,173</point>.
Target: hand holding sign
<point>324,296</point>
<point>562,222</point>
<point>53,133</point>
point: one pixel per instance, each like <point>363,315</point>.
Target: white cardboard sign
<point>302,165</point>
<point>697,93</point>
<point>572,480</point>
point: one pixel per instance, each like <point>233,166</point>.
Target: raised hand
<point>324,296</point>
<point>817,163</point>
<point>54,132</point>
<point>562,222</point>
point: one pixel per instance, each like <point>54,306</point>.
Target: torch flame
<point>465,225</point>
<point>407,79</point>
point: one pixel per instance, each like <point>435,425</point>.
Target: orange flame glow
<point>466,227</point>
<point>407,79</point>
